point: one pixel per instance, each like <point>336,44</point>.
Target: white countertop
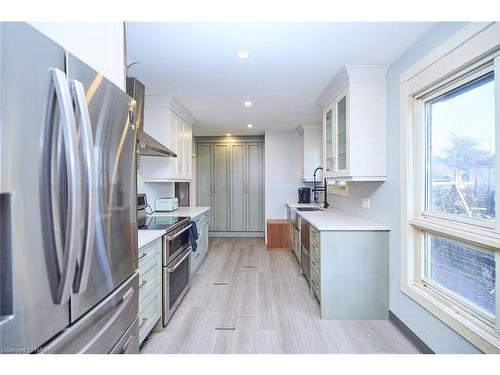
<point>337,220</point>
<point>296,205</point>
<point>146,236</point>
<point>184,211</point>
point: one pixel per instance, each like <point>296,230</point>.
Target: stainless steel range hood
<point>146,145</point>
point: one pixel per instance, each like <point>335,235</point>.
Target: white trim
<point>473,330</point>
<point>463,53</point>
<point>354,73</point>
<point>455,41</point>
<point>496,69</point>
<point>169,101</point>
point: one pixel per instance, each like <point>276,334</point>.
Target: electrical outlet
<point>365,203</point>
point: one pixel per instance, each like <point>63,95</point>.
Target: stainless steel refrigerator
<point>68,227</point>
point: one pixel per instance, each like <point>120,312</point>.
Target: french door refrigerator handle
<point>126,299</point>
<point>72,240</point>
<point>83,118</point>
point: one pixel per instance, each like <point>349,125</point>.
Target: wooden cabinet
<point>230,179</point>
<point>150,277</point>
<point>277,234</point>
<point>170,124</point>
<point>309,150</point>
<point>354,129</point>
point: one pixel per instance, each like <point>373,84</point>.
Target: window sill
<point>478,333</point>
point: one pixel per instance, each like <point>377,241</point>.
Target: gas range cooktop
<point>164,222</point>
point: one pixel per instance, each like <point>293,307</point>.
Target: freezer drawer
<point>129,343</point>
<point>101,328</point>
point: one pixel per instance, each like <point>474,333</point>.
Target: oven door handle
<point>171,238</point>
<point>173,268</point>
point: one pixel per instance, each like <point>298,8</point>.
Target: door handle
<point>171,238</point>
<point>173,268</point>
<point>6,274</point>
<point>83,121</point>
<point>126,299</point>
<point>127,344</point>
<point>60,273</point>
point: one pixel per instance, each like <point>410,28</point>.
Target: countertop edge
<point>365,225</point>
<point>148,236</point>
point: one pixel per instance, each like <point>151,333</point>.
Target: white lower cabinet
<point>150,266</point>
<point>201,251</point>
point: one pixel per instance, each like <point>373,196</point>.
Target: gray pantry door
<point>204,158</point>
<point>221,187</point>
<point>238,187</point>
<point>254,188</point>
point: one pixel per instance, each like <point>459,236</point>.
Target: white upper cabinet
<point>166,120</point>
<point>354,135</point>
<point>309,151</point>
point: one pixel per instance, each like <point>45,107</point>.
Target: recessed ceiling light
<point>250,125</point>
<point>248,103</point>
<point>228,134</point>
<point>243,55</point>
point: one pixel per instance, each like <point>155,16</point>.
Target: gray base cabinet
<point>230,179</point>
<point>350,273</point>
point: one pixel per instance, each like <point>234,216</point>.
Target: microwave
<point>166,204</point>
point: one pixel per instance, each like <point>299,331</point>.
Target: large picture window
<point>450,136</point>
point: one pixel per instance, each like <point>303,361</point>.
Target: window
<point>338,187</point>
<point>467,273</point>
<point>460,126</point>
<point>451,233</point>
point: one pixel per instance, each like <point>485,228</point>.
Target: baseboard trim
<point>235,234</point>
<point>410,335</point>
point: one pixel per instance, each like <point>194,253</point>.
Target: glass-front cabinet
<point>328,139</point>
<point>354,129</point>
<point>335,130</point>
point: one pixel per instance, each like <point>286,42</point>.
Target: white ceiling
<point>288,68</point>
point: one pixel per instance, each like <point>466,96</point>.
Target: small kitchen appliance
<point>166,204</point>
<point>304,195</point>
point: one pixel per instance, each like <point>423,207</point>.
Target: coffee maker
<point>304,195</point>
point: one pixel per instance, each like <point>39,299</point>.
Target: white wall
<point>100,45</point>
<point>281,172</point>
<point>155,190</point>
<point>385,206</point>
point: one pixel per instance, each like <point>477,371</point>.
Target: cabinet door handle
<point>143,321</point>
<point>142,255</point>
<point>143,282</point>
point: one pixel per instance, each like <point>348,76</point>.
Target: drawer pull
<point>143,282</point>
<point>142,255</point>
<point>143,321</point>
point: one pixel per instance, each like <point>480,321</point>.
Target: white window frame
<point>469,51</point>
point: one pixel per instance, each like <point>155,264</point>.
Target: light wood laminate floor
<point>246,299</point>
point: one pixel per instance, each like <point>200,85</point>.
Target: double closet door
<point>230,179</point>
